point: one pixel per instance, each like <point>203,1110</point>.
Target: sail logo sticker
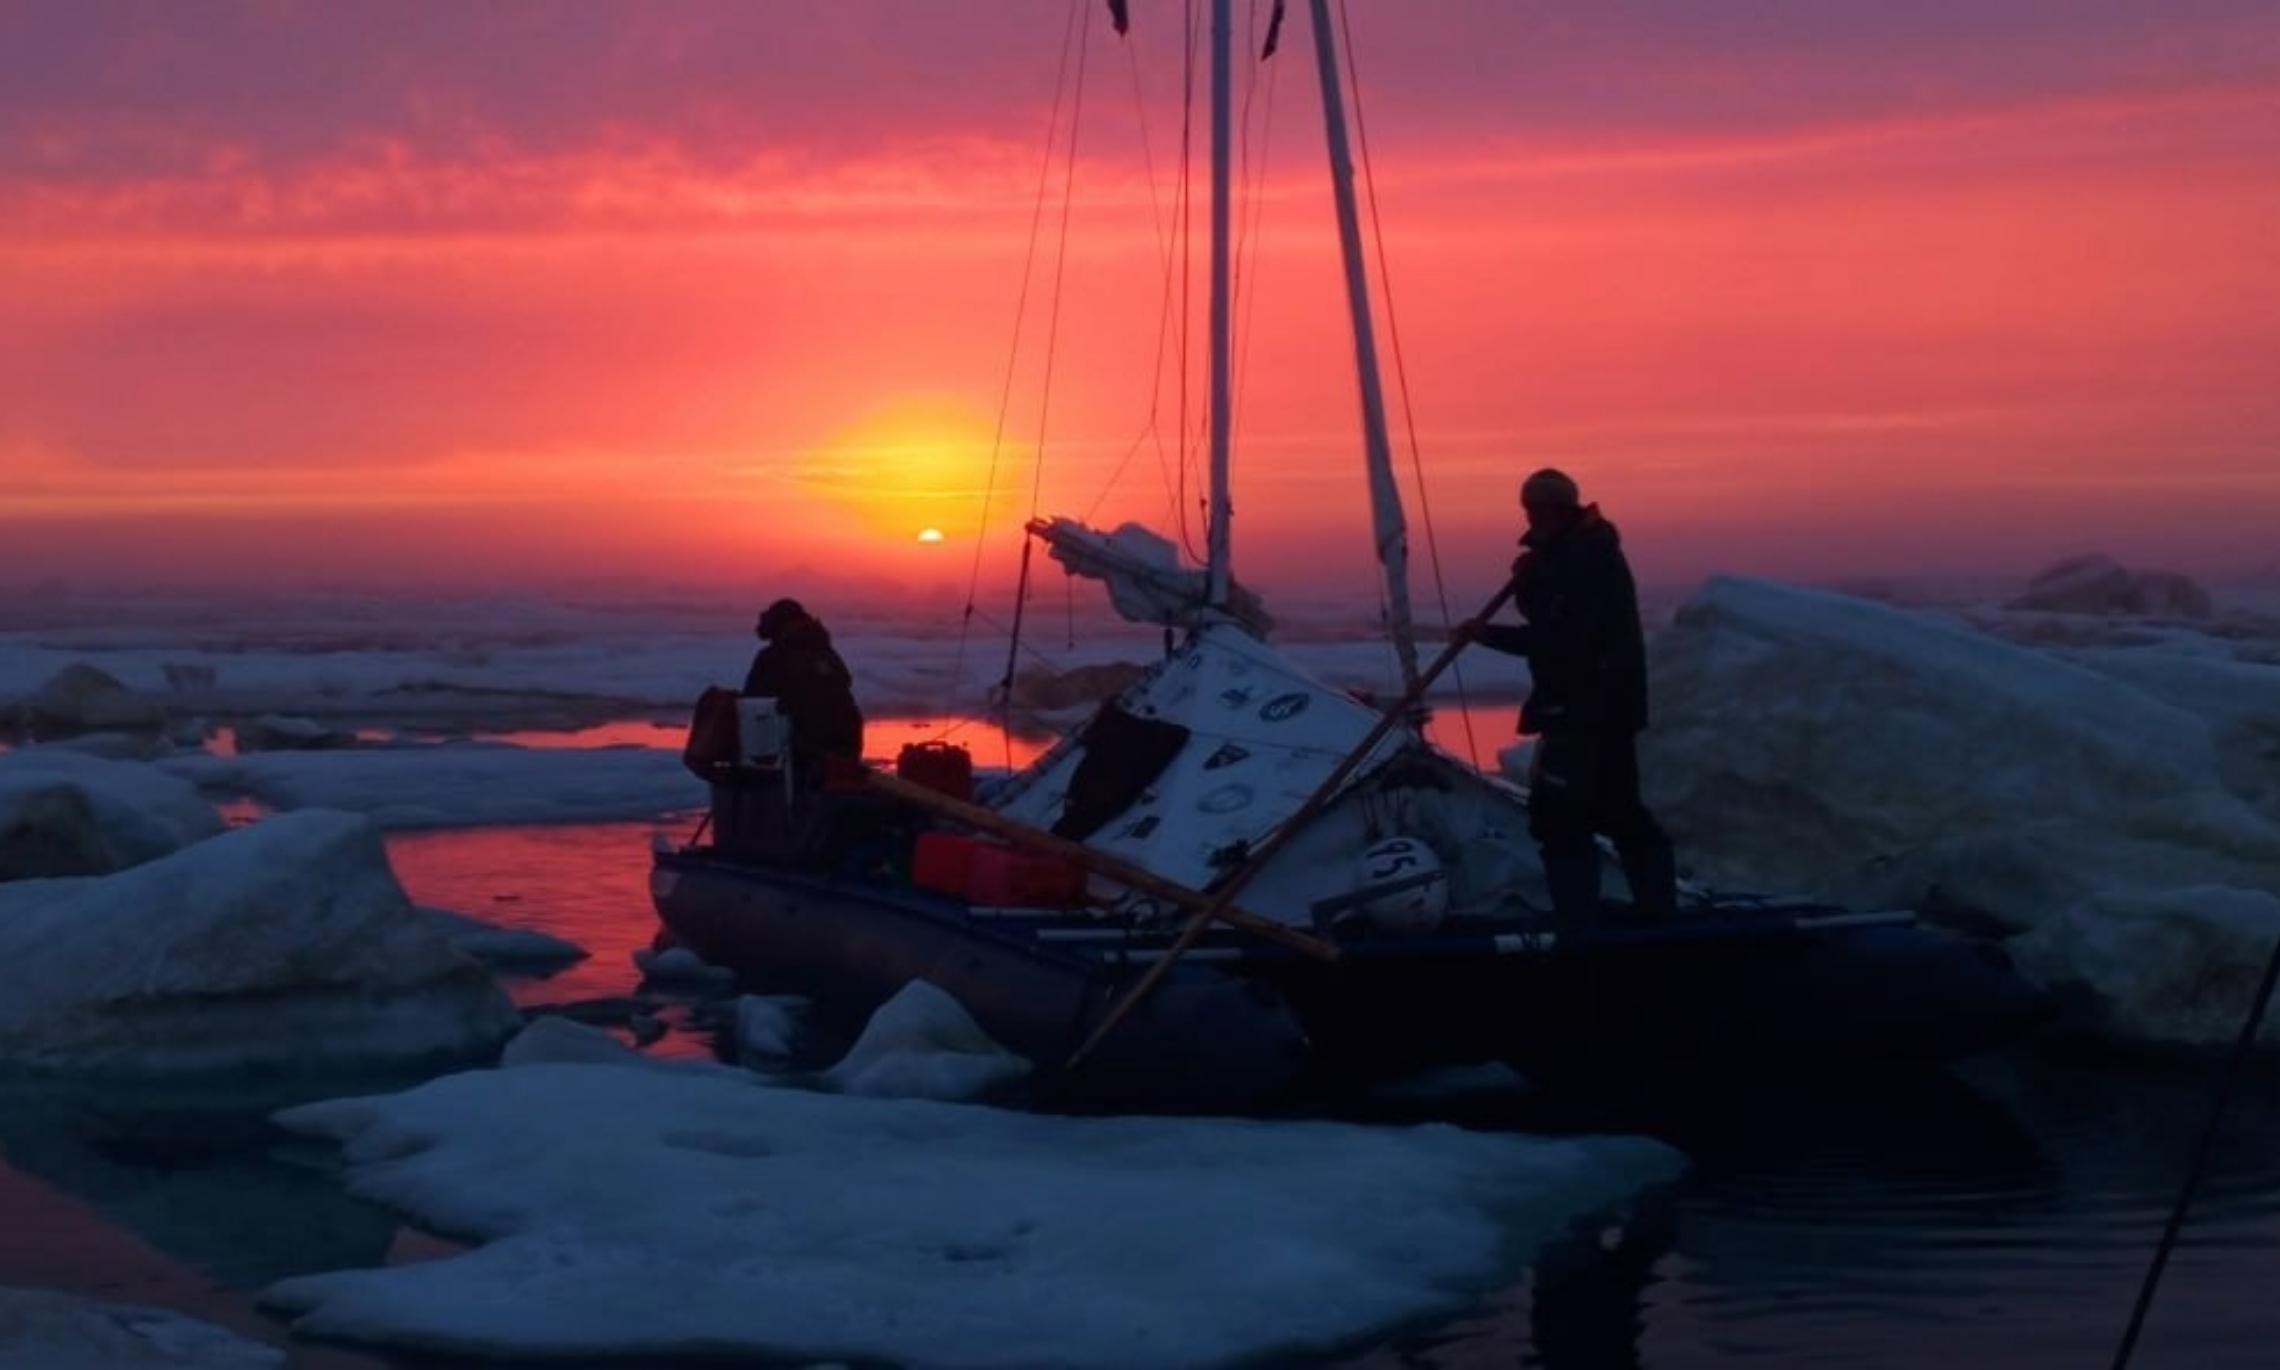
<point>1227,799</point>
<point>1284,706</point>
<point>1227,755</point>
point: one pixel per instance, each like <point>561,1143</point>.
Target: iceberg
<point>1811,741</point>
<point>2179,968</point>
<point>647,1213</point>
<point>44,1329</point>
<point>64,812</point>
<point>284,946</point>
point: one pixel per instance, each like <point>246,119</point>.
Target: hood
<point>1589,527</point>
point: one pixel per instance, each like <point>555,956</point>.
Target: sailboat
<point>1236,884</point>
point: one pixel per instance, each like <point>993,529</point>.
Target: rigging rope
<point>1013,352</point>
<point>1060,270</point>
<point>2200,1165</point>
<point>1401,369</point>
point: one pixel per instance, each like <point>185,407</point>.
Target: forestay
<point>1264,735</point>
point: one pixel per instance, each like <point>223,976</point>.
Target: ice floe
<point>63,812</point>
<point>1814,742</point>
<point>552,1040</point>
<point>453,784</point>
<point>501,947</point>
<point>922,1044</point>
<point>2177,968</point>
<point>642,1213</point>
<point>679,966</point>
<point>286,945</point>
<point>44,1329</point>
<point>767,1027</point>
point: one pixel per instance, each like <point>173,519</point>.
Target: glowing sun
<point>930,535</point>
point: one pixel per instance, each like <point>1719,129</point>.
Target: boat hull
<point>1240,1025</point>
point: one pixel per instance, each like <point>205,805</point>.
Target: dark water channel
<point>1999,1215</point>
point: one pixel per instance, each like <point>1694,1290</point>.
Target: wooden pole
<point>1101,863</point>
<point>1243,874</point>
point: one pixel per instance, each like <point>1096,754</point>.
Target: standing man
<point>1587,658</point>
<point>802,672</point>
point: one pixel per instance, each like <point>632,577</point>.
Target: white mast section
<point>1392,530</point>
<point>1220,573</point>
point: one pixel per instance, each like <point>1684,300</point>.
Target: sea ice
<point>285,733</point>
<point>1815,742</point>
<point>499,946</point>
<point>283,945</point>
<point>552,1040</point>
<point>2178,968</point>
<point>455,784</point>
<point>644,1213</point>
<point>679,966</point>
<point>45,1329</point>
<point>2096,584</point>
<point>922,1044</point>
<point>80,698</point>
<point>63,812</point>
<point>768,1027</point>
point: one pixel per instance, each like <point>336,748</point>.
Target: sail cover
<point>1145,580</point>
<point>1262,734</point>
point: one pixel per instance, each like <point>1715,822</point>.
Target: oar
<point>1323,793</point>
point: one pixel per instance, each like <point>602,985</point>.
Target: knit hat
<point>1551,486</point>
<point>776,617</point>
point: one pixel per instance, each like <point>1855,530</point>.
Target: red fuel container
<point>943,862</point>
<point>943,767</point>
<point>1005,877</point>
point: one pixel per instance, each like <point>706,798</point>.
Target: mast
<point>1392,532</point>
<point>1220,575</point>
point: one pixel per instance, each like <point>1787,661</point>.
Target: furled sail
<point>1144,577</point>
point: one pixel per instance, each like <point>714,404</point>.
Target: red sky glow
<point>534,294</point>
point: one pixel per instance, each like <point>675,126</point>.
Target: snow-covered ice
<point>679,966</point>
<point>501,947</point>
<point>922,1044</point>
<point>64,812</point>
<point>2178,968</point>
<point>645,1212</point>
<point>454,784</point>
<point>1813,742</point>
<point>286,945</point>
<point>45,1329</point>
<point>768,1026</point>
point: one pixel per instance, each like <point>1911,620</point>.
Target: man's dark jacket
<point>1582,639</point>
<point>803,673</point>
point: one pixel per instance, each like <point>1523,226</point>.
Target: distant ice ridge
<point>282,947</point>
<point>456,784</point>
<point>526,659</point>
<point>650,1212</point>
<point>43,1329</point>
<point>63,812</point>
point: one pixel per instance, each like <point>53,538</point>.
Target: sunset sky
<point>503,294</point>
